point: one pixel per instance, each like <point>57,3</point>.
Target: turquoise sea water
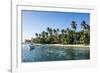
<point>48,53</point>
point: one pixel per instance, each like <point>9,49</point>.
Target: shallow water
<point>48,53</point>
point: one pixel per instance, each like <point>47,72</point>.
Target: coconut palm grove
<point>64,36</point>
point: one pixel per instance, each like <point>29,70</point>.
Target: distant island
<point>64,36</point>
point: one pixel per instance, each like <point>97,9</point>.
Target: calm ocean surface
<point>47,53</point>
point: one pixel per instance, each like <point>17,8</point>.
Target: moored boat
<point>31,47</point>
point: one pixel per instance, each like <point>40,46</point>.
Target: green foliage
<point>64,36</point>
<point>85,38</point>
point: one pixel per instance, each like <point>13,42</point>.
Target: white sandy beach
<point>63,45</point>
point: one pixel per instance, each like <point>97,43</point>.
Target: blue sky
<point>37,21</point>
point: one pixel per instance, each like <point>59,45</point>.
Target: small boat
<point>31,47</point>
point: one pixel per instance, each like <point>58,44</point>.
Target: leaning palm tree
<point>85,26</point>
<point>85,36</point>
<point>73,25</point>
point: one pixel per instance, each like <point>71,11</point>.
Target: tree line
<point>64,36</point>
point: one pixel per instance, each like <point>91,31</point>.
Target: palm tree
<point>67,31</point>
<point>39,35</point>
<point>85,26</point>
<point>55,32</point>
<point>46,34</point>
<point>43,34</point>
<point>58,29</point>
<point>62,31</point>
<point>62,37</point>
<point>49,30</point>
<point>43,37</point>
<point>73,25</point>
<point>85,36</point>
<point>36,34</point>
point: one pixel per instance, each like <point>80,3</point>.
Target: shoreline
<point>67,45</point>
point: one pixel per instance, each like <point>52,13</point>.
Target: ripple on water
<point>48,53</point>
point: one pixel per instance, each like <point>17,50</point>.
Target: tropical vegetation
<point>64,36</point>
